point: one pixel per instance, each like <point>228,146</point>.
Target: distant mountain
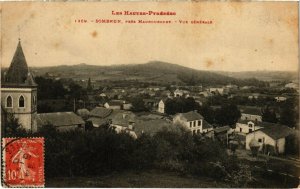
<point>264,75</point>
<point>154,71</point>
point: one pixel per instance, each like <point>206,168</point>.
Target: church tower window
<point>9,102</point>
<point>34,100</point>
<point>21,102</point>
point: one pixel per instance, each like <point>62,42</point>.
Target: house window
<point>250,130</point>
<point>194,123</point>
<point>194,132</point>
<point>199,123</point>
<point>9,102</point>
<point>190,124</point>
<point>198,131</point>
<point>260,140</point>
<point>34,100</point>
<point>241,129</point>
<point>21,102</point>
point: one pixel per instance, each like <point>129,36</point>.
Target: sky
<point>242,36</point>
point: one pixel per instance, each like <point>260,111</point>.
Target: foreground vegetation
<point>99,157</point>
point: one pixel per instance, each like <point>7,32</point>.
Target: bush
<point>100,151</point>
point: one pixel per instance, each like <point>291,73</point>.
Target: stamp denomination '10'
<point>23,160</point>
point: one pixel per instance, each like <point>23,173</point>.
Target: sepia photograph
<point>152,94</point>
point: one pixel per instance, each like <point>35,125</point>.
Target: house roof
<point>152,126</point>
<point>100,112</point>
<point>83,112</point>
<point>277,131</point>
<point>242,121</point>
<point>98,121</point>
<point>206,125</point>
<point>18,74</point>
<point>122,118</point>
<point>59,119</point>
<point>117,117</point>
<point>221,129</point>
<point>115,103</point>
<point>192,115</point>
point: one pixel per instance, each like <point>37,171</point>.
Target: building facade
<point>19,92</point>
<point>193,122</point>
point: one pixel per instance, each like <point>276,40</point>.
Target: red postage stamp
<point>23,160</point>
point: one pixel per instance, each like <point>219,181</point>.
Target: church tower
<point>19,92</point>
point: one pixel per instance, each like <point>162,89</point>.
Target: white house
<point>251,113</point>
<point>280,98</point>
<point>178,92</point>
<point>205,94</point>
<point>246,126</point>
<point>272,135</point>
<point>123,121</point>
<point>192,121</point>
<point>161,106</point>
<point>292,85</point>
<point>114,104</point>
<point>216,90</point>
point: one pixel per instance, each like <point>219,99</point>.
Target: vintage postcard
<point>150,94</point>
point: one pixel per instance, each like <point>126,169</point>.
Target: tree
<point>228,114</point>
<point>181,105</point>
<point>269,115</point>
<point>49,88</point>
<point>208,113</point>
<point>12,127</point>
<point>89,85</point>
<point>288,113</point>
<point>138,104</point>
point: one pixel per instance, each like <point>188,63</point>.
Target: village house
<point>231,87</point>
<point>246,126</point>
<point>193,122</point>
<point>166,93</point>
<point>150,126</point>
<point>162,106</point>
<point>123,121</point>
<point>251,113</point>
<point>280,98</point>
<point>83,113</point>
<point>62,121</point>
<point>221,133</point>
<point>253,96</point>
<point>206,94</point>
<point>215,91</point>
<point>180,93</point>
<point>271,138</point>
<point>98,116</point>
<point>292,85</point>
<point>114,104</point>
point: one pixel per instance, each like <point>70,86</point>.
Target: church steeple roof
<point>18,72</point>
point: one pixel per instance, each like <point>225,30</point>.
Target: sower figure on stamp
<point>20,158</point>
